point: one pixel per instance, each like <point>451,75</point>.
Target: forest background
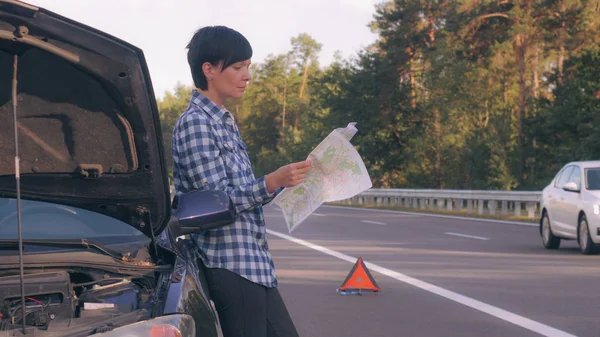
<point>466,94</point>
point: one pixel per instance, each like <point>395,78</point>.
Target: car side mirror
<point>199,211</point>
<point>572,187</point>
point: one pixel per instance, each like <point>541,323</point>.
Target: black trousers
<point>247,309</point>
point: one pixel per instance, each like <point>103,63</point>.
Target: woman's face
<point>231,82</point>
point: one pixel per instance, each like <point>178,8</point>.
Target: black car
<point>102,252</point>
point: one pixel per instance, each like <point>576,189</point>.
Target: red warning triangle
<point>359,279</point>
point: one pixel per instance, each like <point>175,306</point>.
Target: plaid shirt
<point>208,153</point>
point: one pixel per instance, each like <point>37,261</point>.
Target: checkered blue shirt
<point>208,153</point>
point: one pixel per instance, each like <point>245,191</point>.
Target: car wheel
<point>548,239</point>
<point>586,244</point>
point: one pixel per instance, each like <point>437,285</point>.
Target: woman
<point>208,153</point>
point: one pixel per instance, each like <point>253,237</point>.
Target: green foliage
<point>566,128</point>
<point>467,95</point>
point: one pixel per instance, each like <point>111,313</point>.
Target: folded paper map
<point>337,173</point>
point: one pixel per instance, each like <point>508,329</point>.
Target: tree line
<point>468,94</point>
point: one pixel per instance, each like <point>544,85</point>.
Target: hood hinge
<point>144,219</point>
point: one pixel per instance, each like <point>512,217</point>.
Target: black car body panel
<point>90,131</point>
<point>103,251</point>
<point>188,291</point>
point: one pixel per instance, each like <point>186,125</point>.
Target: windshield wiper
<point>14,244</point>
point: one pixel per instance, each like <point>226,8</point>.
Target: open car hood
<point>88,124</point>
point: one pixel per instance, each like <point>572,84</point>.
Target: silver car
<point>571,207</point>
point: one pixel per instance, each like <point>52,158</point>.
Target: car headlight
<point>164,326</point>
<point>596,209</point>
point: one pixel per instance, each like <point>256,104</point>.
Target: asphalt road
<point>439,277</point>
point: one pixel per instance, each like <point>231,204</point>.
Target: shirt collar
<point>213,110</point>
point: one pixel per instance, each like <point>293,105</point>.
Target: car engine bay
<point>72,303</point>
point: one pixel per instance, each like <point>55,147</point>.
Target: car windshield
<point>593,178</point>
<point>42,220</point>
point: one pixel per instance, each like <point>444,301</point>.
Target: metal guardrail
<point>504,203</point>
<point>483,202</point>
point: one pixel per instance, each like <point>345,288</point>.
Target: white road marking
<point>520,223</point>
<point>374,222</point>
<point>467,236</point>
<point>318,214</point>
<point>507,316</point>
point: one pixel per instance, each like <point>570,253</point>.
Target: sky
<point>162,28</point>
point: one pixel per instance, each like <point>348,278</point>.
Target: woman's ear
<point>208,70</point>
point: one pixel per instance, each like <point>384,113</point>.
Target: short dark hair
<point>215,44</point>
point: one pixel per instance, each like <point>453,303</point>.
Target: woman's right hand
<point>288,176</point>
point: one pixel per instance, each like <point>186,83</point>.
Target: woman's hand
<point>288,176</point>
